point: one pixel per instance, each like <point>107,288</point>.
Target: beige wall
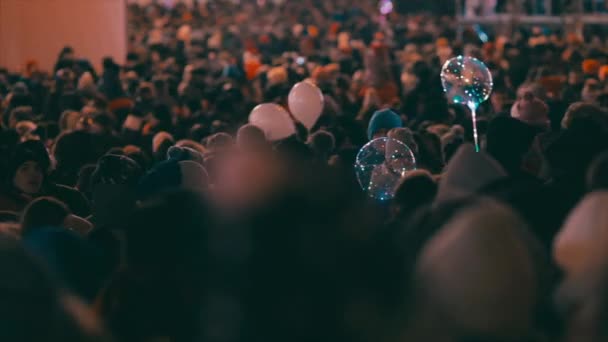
<point>38,29</point>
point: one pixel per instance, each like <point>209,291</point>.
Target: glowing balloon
<point>380,165</point>
<point>306,103</point>
<point>385,7</point>
<point>467,81</point>
<point>274,120</point>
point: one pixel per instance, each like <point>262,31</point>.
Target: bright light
<point>385,6</point>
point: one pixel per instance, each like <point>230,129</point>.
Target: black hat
<point>115,169</point>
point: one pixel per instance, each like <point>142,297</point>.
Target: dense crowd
<point>139,204</point>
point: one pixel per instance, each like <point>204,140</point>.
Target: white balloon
<point>274,120</point>
<point>306,103</point>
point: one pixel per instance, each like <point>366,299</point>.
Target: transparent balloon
<point>467,81</point>
<point>380,165</point>
<point>385,7</point>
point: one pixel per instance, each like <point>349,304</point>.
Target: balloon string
<point>474,117</point>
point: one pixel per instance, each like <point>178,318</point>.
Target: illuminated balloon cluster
<point>380,165</point>
<point>467,81</point>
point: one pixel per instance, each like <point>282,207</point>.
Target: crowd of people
<point>138,203</point>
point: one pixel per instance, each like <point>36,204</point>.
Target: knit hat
<point>531,110</point>
<point>174,174</point>
<point>161,139</point>
<point>383,119</point>
<point>603,73</point>
<point>115,169</point>
<point>591,67</point>
<point>478,273</point>
<point>467,173</point>
<point>185,153</point>
<point>581,242</point>
<point>277,75</point>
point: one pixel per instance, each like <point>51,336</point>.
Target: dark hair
<point>43,212</point>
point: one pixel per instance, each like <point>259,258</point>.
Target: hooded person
<point>381,122</point>
<point>580,245</point>
<point>27,170</point>
<point>477,278</point>
<point>467,173</point>
<point>29,178</point>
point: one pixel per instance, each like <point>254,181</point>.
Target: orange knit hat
<point>591,67</point>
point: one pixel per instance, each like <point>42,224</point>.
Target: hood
<point>466,173</point>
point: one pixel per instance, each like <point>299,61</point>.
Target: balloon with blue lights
<point>381,164</point>
<point>467,81</point>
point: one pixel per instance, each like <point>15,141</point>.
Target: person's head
<point>114,169</point>
<point>43,212</point>
<point>381,122</point>
<point>406,136</point>
<point>28,167</point>
<point>19,114</point>
<point>585,112</point>
<point>219,141</point>
<point>322,144</point>
<point>72,151</point>
<point>575,78</point>
<point>532,111</point>
<point>597,175</point>
<point>250,137</point>
<point>477,278</point>
<point>579,246</point>
<point>161,143</point>
<point>592,90</point>
<point>508,139</point>
<point>416,189</point>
